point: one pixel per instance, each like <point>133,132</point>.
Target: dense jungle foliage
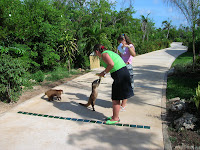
<point>40,35</point>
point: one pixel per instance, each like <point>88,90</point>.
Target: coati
<point>52,92</point>
<point>93,95</point>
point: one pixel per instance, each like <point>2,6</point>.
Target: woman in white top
<point>127,52</point>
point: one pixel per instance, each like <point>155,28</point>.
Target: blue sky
<point>159,11</point>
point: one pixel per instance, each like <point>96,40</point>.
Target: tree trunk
<point>69,65</point>
<point>143,37</point>
<point>167,33</point>
<point>193,38</point>
<point>100,22</point>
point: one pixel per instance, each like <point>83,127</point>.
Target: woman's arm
<point>110,64</point>
<point>131,50</point>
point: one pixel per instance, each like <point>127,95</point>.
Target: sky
<point>159,11</point>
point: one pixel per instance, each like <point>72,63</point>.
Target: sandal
<point>108,122</point>
<point>122,108</point>
<point>108,118</point>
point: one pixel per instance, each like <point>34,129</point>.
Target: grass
<point>60,73</point>
<point>51,76</point>
<point>183,87</point>
<point>184,59</point>
<point>57,74</point>
<point>184,83</point>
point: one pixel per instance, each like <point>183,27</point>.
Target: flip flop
<point>122,108</point>
<point>108,122</point>
<point>108,118</point>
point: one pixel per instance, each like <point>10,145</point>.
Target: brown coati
<point>52,92</point>
<point>93,95</point>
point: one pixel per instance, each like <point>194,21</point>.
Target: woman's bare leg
<point>124,103</point>
<point>116,109</point>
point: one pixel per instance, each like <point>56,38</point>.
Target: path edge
<point>167,142</point>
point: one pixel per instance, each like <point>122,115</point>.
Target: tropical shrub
<point>12,77</point>
<point>38,76</point>
<point>197,46</point>
<point>82,61</point>
<point>178,40</point>
<point>145,47</point>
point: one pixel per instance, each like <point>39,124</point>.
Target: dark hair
<point>124,36</point>
<point>99,47</point>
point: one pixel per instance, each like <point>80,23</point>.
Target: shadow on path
<point>115,137</point>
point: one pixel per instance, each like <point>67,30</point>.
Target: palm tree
<point>144,25</point>
<point>190,9</point>
<point>167,25</point>
<point>92,36</point>
<point>68,49</point>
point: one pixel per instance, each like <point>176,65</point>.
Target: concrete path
<point>20,131</point>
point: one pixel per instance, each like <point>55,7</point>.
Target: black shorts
<point>121,87</point>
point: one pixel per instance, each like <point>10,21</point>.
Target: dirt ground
<point>183,138</point>
<point>35,91</point>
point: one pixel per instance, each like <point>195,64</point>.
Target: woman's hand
<point>131,49</point>
<point>101,74</point>
<point>125,45</point>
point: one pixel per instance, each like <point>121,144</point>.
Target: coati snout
<point>52,92</point>
<point>96,83</point>
<point>93,95</point>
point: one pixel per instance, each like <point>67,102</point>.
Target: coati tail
<point>86,105</point>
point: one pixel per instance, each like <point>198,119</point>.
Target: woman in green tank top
<point>121,87</point>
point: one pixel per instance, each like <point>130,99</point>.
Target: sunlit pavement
<point>38,124</point>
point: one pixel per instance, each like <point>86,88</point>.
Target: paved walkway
<point>20,131</point>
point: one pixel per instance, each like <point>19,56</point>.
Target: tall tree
<point>190,9</point>
<point>150,29</point>
<point>144,25</point>
<point>167,26</point>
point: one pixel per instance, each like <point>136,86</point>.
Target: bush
<point>12,77</point>
<point>38,76</point>
<point>146,47</point>
<point>57,74</point>
<point>82,61</point>
<point>185,78</point>
<point>178,40</point>
<point>197,45</point>
<point>183,68</point>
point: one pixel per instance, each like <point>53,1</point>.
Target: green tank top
<point>118,61</point>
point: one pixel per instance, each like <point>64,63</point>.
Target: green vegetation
<point>12,76</point>
<point>45,78</point>
<point>61,34</point>
<point>184,82</point>
<point>197,96</point>
<point>172,139</point>
<point>183,87</point>
<point>184,59</point>
<point>60,73</point>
